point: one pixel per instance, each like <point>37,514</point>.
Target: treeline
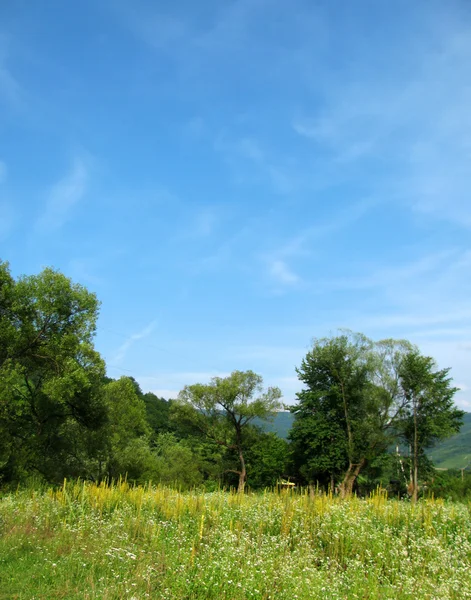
<point>366,414</point>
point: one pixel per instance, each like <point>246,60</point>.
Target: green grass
<point>85,541</point>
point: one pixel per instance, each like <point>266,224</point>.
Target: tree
<point>266,459</point>
<point>223,411</point>
<point>126,432</point>
<point>158,413</point>
<point>50,374</point>
<point>177,462</point>
<point>332,419</point>
<point>347,411</point>
<point>428,413</point>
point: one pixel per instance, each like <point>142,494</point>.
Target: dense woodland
<point>367,413</point>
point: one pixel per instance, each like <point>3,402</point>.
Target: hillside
<point>453,453</point>
<point>280,425</point>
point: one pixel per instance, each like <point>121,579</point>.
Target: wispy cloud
<point>63,197</point>
<point>282,274</point>
<point>131,340</point>
<point>304,242</point>
<point>391,277</point>
<point>414,126</point>
<point>252,163</point>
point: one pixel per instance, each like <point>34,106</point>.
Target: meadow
<point>86,541</point>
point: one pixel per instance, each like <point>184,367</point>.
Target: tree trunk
<point>242,473</point>
<point>415,477</point>
<point>346,487</point>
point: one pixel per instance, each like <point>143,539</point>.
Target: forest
<point>368,413</point>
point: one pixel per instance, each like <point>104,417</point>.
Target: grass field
<point>85,541</point>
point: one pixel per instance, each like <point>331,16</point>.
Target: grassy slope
<point>454,453</point>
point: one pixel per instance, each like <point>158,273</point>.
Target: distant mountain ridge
<point>453,453</point>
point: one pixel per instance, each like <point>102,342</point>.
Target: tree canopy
<point>357,399</point>
<point>50,374</point>
<point>223,410</point>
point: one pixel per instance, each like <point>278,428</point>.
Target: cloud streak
<point>131,340</point>
<point>282,274</point>
<point>63,197</point>
<point>415,125</point>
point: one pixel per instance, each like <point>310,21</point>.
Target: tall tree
<point>428,414</point>
<point>127,431</point>
<point>346,413</point>
<point>50,374</point>
<point>224,409</point>
<point>332,422</point>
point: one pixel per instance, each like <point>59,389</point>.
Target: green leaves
<point>49,372</point>
<point>429,394</point>
<point>223,409</point>
<point>359,396</point>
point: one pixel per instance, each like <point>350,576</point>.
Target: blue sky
<point>234,178</point>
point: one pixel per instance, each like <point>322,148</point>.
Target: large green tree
<point>224,410</point>
<point>126,432</point>
<point>50,374</point>
<point>358,398</point>
<point>348,410</point>
<point>332,429</point>
<point>428,414</point>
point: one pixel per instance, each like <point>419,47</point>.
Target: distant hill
<point>280,425</point>
<point>453,453</point>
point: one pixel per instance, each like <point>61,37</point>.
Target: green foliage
<point>428,413</point>
<point>267,457</point>
<point>429,393</point>
<point>452,484</point>
<point>335,419</point>
<point>359,398</point>
<point>126,431</point>
<point>50,375</point>
<point>176,462</point>
<point>222,410</point>
<point>158,413</point>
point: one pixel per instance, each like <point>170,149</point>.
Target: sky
<point>235,178</point>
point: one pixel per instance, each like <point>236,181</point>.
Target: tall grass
<point>109,542</point>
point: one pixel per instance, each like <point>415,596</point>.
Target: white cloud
<point>63,197</point>
<point>131,340</point>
